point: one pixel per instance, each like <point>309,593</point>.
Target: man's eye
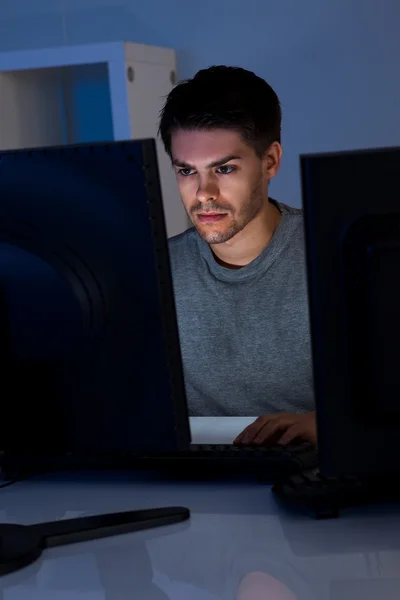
<point>186,172</point>
<point>226,169</point>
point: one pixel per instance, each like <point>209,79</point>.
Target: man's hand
<point>281,429</point>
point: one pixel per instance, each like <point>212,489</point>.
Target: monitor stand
<point>21,545</point>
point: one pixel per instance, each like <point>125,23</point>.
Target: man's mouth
<point>210,217</point>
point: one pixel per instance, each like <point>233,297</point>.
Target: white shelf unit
<point>98,92</point>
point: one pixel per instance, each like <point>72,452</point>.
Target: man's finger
<point>239,438</point>
<point>266,428</point>
<point>269,430</point>
<point>248,434</point>
<point>291,433</point>
<point>251,431</point>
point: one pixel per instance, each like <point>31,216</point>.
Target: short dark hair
<point>227,98</point>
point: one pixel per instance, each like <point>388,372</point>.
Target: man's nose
<point>207,189</point>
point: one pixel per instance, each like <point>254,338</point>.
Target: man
<point>239,274</point>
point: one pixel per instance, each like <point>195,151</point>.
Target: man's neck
<point>245,246</point>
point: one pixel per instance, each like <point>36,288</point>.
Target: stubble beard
<point>238,222</point>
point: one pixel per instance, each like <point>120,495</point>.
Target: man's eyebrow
<point>215,163</point>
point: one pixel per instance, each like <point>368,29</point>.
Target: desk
<point>217,430</point>
<point>237,529</point>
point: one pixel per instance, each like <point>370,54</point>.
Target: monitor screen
<point>352,219</point>
<point>91,362</point>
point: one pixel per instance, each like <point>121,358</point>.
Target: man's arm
<point>280,429</point>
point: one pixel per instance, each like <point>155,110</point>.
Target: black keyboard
<point>269,462</point>
<point>325,497</point>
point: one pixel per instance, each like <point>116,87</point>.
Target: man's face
<point>222,182</point>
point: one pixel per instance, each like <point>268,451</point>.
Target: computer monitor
<point>89,347</point>
<point>90,355</point>
<point>351,204</point>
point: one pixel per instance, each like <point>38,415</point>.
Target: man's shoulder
<point>183,238</point>
<point>291,210</point>
<point>183,247</point>
<point>294,222</point>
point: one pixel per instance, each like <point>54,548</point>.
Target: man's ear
<point>272,160</point>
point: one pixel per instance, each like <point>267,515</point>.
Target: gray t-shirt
<point>244,333</point>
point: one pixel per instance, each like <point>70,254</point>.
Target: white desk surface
<point>217,430</point>
<point>238,545</point>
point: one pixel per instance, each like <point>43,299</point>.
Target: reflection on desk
<point>239,545</point>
